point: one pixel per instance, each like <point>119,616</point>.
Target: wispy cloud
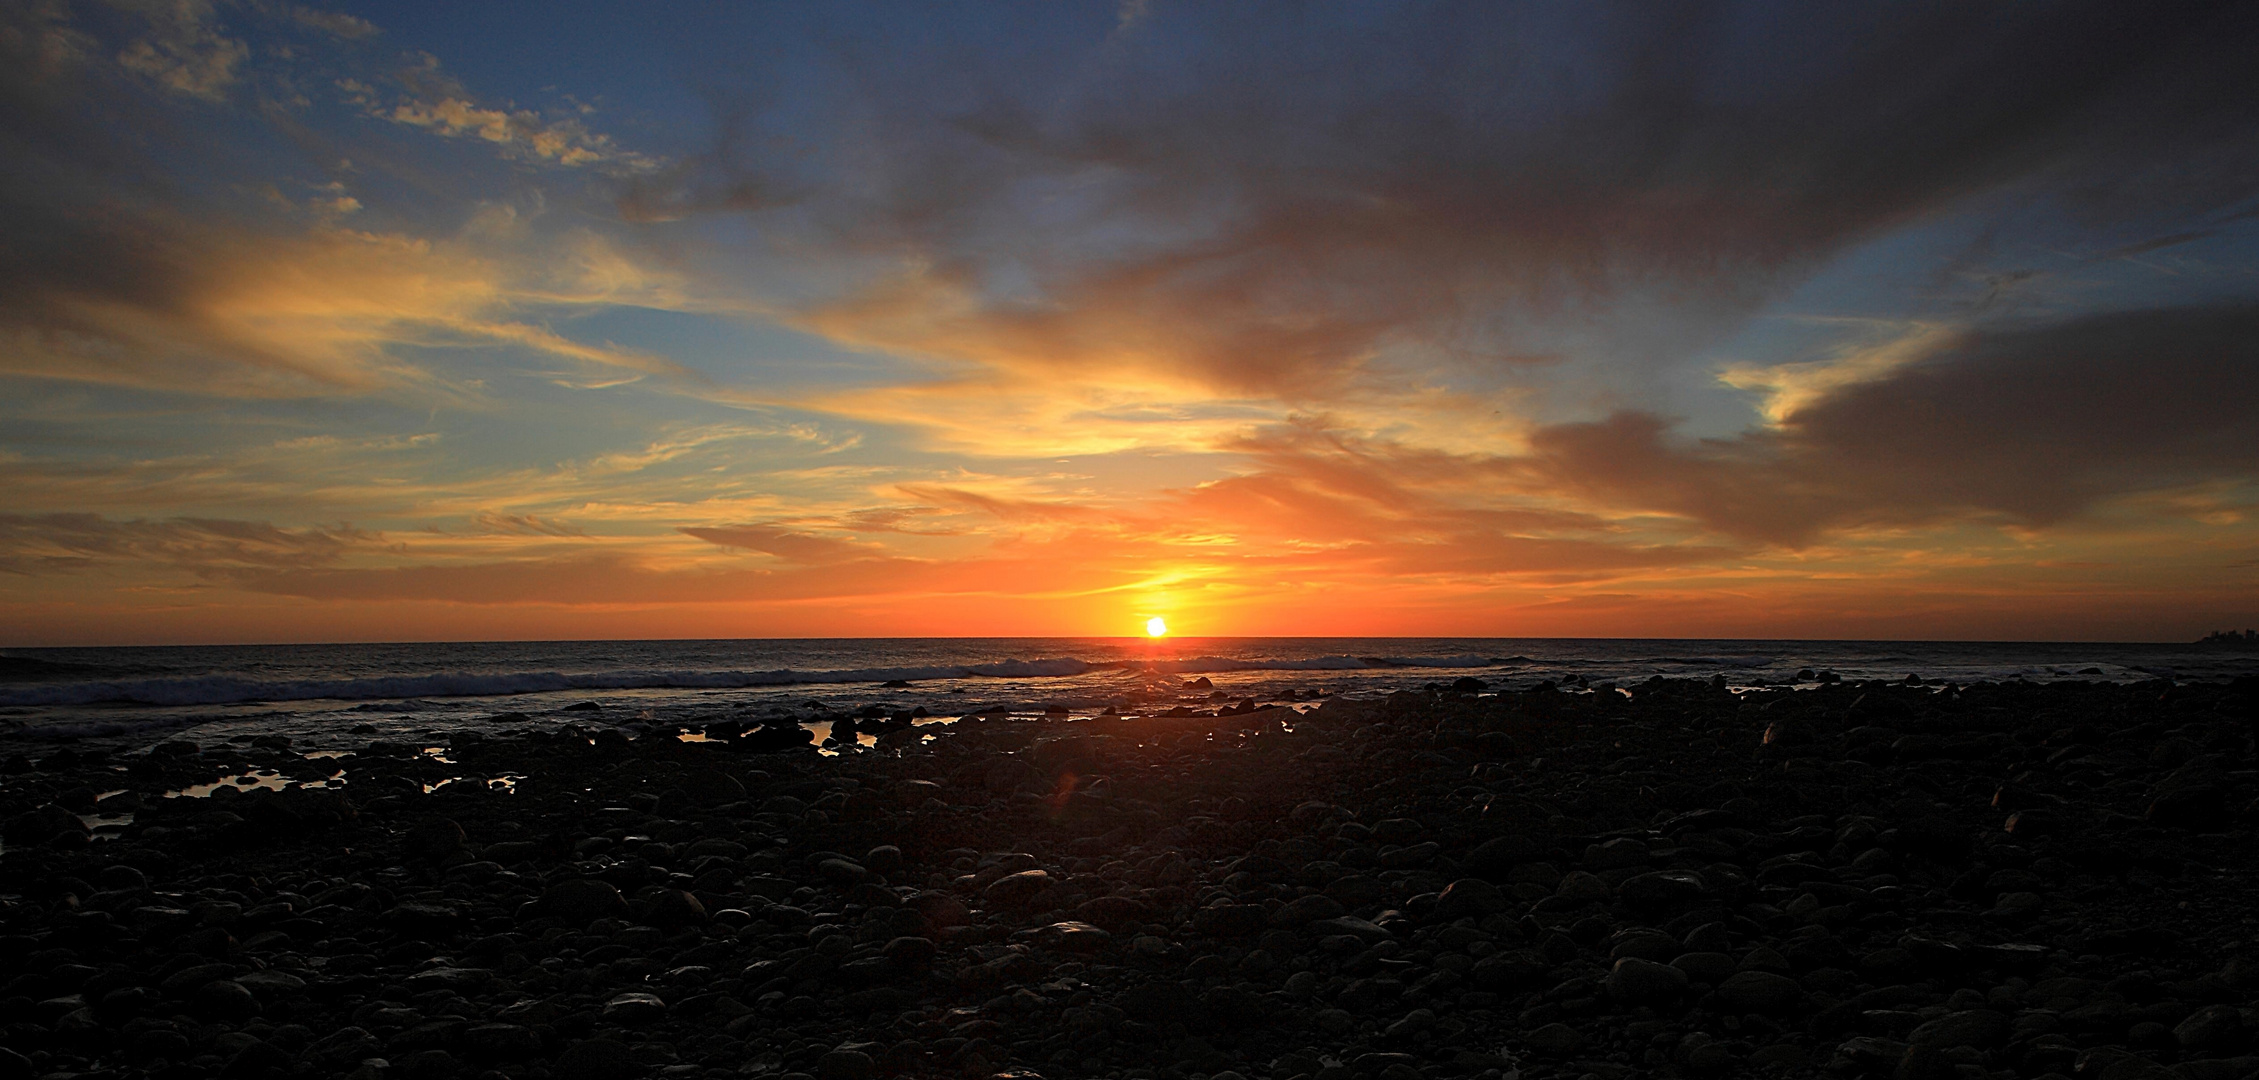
<point>430,99</point>
<point>58,543</point>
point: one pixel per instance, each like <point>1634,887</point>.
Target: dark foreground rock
<point>1865,880</point>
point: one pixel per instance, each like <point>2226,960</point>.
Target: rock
<point>1555,1040</point>
<point>255,1059</point>
<point>1764,958</point>
<point>885,860</point>
<point>941,910</point>
<point>1352,926</point>
<point>429,1065</point>
<point>1307,909</point>
<point>1759,992</point>
<point>1118,913</point>
<point>1643,982</point>
<point>582,899</point>
<point>433,840</point>
<point>225,1000</point>
<point>1229,920</point>
<point>122,878</point>
<point>1008,775</point>
<point>1621,853</point>
<point>423,919</point>
<point>2199,806</point>
<point>709,787</point>
<point>42,825</point>
<point>2033,823</point>
<point>1356,890</point>
<point>1014,890</point>
<point>1661,892</point>
<point>1467,897</point>
<point>1706,967</point>
<point>1509,972</point>
<point>597,1059</point>
<point>674,908</point>
<point>500,1042</point>
<point>842,874</point>
<point>846,1065</point>
<point>1398,831</point>
<point>1582,888</point>
<point>910,953</point>
<point>271,985</point>
<point>1867,1056</point>
<point>633,1008</point>
<point>2213,1029</point>
<point>1981,1028</point>
<point>1410,855</point>
<point>1154,1002</point>
<point>1497,857</point>
<point>345,1045</point>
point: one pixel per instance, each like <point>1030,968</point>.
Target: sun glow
<point>1155,627</point>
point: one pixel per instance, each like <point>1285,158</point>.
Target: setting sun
<point>1155,627</point>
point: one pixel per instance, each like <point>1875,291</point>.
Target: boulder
<point>1583,888</point>
<point>583,899</point>
<point>1469,897</point>
<point>1013,890</point>
<point>1497,857</point>
<point>1981,1028</point>
<point>1661,892</point>
<point>597,1059</point>
<point>2213,1029</point>
<point>1644,982</point>
<point>1555,1040</point>
<point>1306,909</point>
<point>1759,992</point>
<point>632,1008</point>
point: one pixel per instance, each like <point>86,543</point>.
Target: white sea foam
<point>227,690</point>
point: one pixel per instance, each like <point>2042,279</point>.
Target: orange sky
<point>354,325</point>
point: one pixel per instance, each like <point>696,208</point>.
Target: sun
<point>1155,627</point>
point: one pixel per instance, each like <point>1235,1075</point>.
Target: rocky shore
<point>1889,880</point>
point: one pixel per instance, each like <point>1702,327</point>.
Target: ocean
<point>343,695</point>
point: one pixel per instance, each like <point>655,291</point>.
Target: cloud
<point>437,102</point>
<point>150,245</point>
<point>39,544</point>
<point>502,524</point>
<point>183,49</point>
<point>1264,200</point>
<point>337,24</point>
<point>2035,426</point>
<point>153,299</point>
<point>783,543</point>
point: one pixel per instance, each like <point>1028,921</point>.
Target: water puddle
<point>247,781</point>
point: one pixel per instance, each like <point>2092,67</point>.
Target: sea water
<point>342,695</point>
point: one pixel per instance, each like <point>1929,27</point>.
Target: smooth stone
<point>597,1059</point>
<point>1470,897</point>
<point>1580,887</point>
<point>1759,992</point>
<point>1555,1040</point>
<point>634,1008</point>
<point>1634,981</point>
<point>1971,1027</point>
<point>584,899</point>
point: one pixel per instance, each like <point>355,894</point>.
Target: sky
<point>404,321</point>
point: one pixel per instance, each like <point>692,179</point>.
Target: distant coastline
<point>2247,640</point>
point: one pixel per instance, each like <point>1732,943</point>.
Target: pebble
<point>1399,887</point>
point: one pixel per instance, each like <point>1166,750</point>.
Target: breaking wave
<point>230,690</point>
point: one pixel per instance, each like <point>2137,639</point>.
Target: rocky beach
<point>1860,879</point>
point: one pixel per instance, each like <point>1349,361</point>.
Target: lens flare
<point>1155,627</point>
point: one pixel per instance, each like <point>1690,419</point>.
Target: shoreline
<point>1860,879</point>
